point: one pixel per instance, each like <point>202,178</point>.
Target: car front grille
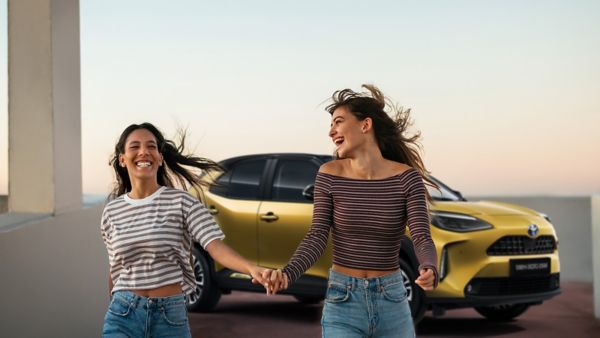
<point>506,286</point>
<point>522,245</point>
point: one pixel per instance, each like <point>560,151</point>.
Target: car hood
<point>490,208</point>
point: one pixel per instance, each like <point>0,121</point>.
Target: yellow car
<point>496,257</point>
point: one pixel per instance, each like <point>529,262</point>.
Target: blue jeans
<point>366,307</point>
<point>130,315</point>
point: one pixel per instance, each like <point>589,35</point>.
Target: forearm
<point>307,253</point>
<point>228,257</point>
<point>110,284</point>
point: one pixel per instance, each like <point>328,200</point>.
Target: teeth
<point>143,164</point>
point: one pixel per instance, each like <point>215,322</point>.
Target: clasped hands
<point>276,280</point>
<point>272,280</point>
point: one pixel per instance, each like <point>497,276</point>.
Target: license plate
<point>529,267</point>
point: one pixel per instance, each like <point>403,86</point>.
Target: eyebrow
<point>138,142</point>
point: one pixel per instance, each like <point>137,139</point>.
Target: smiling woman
<point>148,227</point>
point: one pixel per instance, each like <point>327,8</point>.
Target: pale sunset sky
<point>505,93</point>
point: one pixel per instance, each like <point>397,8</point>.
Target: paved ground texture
<point>241,314</point>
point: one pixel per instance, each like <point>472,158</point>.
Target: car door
<point>285,217</point>
<point>234,201</point>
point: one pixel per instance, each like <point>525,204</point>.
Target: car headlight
<point>458,222</point>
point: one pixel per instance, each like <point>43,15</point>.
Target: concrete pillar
<point>596,252</point>
<point>44,106</point>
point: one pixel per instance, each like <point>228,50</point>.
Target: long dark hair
<point>174,165</point>
<point>391,134</point>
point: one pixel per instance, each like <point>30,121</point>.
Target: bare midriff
<point>360,273</point>
<point>163,291</point>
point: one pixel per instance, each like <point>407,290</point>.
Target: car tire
<point>207,293</point>
<point>414,293</point>
<point>309,300</point>
<point>502,313</point>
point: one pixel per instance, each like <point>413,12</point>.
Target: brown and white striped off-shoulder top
<point>367,219</point>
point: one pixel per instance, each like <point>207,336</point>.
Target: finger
<point>276,280</point>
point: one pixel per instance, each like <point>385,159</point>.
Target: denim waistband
<point>136,300</point>
<point>366,283</point>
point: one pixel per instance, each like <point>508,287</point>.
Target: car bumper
<point>497,291</point>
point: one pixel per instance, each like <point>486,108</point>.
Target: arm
<point>104,229</point>
<point>229,258</point>
<point>110,284</point>
<point>203,228</point>
<point>418,222</point>
<point>314,243</point>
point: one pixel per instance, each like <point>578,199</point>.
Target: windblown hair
<point>391,133</point>
<point>177,166</point>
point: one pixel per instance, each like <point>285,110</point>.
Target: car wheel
<point>309,300</point>
<point>502,313</point>
<point>415,295</point>
<point>206,295</point>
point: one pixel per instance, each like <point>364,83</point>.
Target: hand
<point>278,280</point>
<point>426,280</point>
<point>257,273</point>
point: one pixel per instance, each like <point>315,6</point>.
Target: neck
<point>367,162</point>
<point>142,188</point>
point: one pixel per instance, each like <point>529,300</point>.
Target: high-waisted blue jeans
<point>130,315</point>
<point>366,307</point>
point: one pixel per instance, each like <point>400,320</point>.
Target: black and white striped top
<point>367,219</point>
<point>149,240</point>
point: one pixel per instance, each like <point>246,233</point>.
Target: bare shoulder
<point>397,168</point>
<point>335,167</point>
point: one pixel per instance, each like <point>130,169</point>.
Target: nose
<point>144,150</point>
<point>332,131</point>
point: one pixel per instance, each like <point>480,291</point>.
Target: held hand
<point>259,276</point>
<point>426,280</point>
<point>278,281</point>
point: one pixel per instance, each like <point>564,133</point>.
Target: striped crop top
<point>149,240</point>
<point>367,219</point>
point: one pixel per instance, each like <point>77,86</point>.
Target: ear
<point>367,124</point>
<point>121,161</point>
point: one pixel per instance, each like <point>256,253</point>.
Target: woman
<point>365,197</point>
<point>148,228</point>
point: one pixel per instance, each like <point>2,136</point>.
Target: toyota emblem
<point>533,230</point>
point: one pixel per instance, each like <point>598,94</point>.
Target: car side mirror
<point>459,195</point>
<point>309,192</point>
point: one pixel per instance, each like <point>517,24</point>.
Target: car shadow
<point>466,327</point>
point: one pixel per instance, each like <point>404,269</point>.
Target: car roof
<point>320,157</point>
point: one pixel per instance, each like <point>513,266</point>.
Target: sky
<point>505,93</point>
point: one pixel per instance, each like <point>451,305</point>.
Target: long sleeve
<point>418,223</point>
<point>314,243</point>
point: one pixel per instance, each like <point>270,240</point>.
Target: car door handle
<point>212,210</point>
<point>269,217</point>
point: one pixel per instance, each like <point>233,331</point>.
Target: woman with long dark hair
<point>366,197</point>
<point>148,227</point>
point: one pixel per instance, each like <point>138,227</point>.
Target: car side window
<point>221,186</point>
<point>291,178</point>
<point>245,179</point>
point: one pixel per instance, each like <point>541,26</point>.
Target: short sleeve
<point>201,224</point>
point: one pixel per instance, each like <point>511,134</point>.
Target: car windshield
<point>444,193</point>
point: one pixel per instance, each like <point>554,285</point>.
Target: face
<point>347,132</point>
<point>141,157</point>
